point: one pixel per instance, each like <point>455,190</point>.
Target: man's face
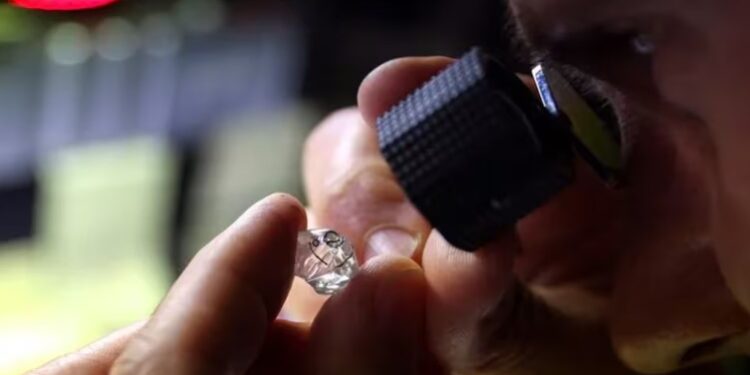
<point>678,74</point>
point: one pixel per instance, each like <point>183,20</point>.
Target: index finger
<point>349,184</point>
<point>215,318</point>
<point>393,81</point>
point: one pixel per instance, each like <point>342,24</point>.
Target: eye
<point>643,44</point>
<point>622,59</point>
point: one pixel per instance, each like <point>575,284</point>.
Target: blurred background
<point>131,132</point>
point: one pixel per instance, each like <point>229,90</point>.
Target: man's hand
<point>589,268</point>
<point>592,268</point>
<point>219,317</point>
<point>481,315</point>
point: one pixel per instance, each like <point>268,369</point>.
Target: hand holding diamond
<point>220,316</point>
<point>469,310</point>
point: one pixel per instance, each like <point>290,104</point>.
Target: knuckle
<point>135,359</point>
<point>330,124</point>
<point>362,195</point>
<point>370,179</point>
<point>127,365</point>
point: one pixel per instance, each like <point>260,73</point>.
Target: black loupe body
<point>475,151</point>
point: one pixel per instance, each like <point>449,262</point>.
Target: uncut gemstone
<point>325,259</point>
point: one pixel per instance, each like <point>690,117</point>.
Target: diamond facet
<point>325,259</point>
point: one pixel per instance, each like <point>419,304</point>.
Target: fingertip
<point>399,293</point>
<point>260,246</point>
<point>292,209</point>
<point>392,81</point>
<point>381,281</point>
<point>376,325</point>
<point>279,210</point>
<point>395,283</point>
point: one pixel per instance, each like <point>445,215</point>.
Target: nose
<point>672,309</point>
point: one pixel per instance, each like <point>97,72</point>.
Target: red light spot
<point>61,4</point>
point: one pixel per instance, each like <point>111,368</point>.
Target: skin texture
<point>688,184</point>
<point>650,278</point>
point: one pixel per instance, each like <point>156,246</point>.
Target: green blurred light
<point>69,43</point>
<point>16,25</point>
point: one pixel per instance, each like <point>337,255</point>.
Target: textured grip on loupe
<point>474,150</point>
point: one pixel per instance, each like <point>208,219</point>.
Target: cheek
<point>702,68</point>
<point>726,113</point>
<point>670,306</point>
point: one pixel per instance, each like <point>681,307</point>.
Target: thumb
<point>482,320</point>
<point>376,325</point>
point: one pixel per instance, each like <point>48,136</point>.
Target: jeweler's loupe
<point>475,150</point>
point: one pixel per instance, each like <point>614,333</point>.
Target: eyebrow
<point>542,28</point>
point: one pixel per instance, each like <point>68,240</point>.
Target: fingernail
<point>393,241</point>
